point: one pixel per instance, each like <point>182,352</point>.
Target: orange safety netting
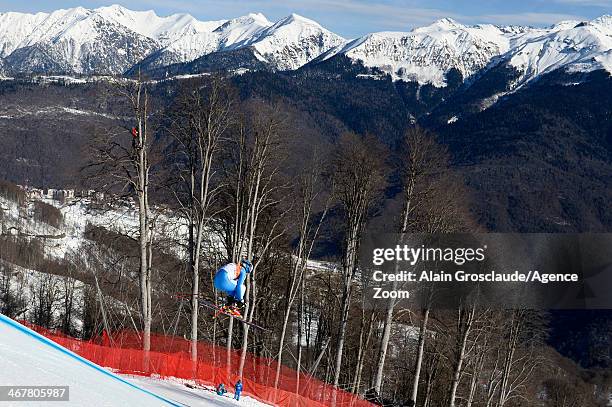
<point>170,357</point>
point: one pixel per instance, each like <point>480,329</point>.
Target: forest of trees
<point>216,178</point>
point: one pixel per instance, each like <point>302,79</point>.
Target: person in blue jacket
<point>230,279</point>
<point>238,390</point>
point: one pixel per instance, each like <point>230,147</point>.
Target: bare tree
<point>309,191</point>
<point>523,327</point>
<point>199,124</point>
<point>366,325</point>
<point>46,293</point>
<point>263,193</point>
<point>465,321</point>
<point>432,201</point>
<point>359,174</point>
<point>251,218</point>
<point>481,349</point>
<point>12,292</point>
<point>68,288</point>
<point>124,170</point>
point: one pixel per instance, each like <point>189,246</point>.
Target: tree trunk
<point>250,295</point>
<point>144,251</point>
<point>384,344</point>
<point>195,291</point>
<point>300,329</point>
<point>346,300</point>
<point>349,271</point>
<point>281,344</point>
<point>515,327</point>
<point>362,351</point>
<point>465,319</point>
<point>419,360</point>
<point>474,380</point>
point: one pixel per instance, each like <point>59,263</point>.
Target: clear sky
<point>352,18</point>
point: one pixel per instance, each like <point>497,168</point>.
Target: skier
<point>221,389</point>
<point>238,390</point>
<point>230,279</point>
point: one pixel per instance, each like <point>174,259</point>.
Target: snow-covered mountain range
<point>427,54</point>
<point>110,40</point>
<point>113,39</point>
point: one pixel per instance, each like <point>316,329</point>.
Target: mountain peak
<point>604,18</point>
<point>296,18</point>
<point>441,25</point>
<point>604,21</point>
<point>446,20</point>
<point>446,23</point>
<point>240,29</point>
<point>294,41</point>
<point>78,11</point>
<point>258,17</point>
<point>253,18</point>
<point>565,25</point>
<point>117,8</point>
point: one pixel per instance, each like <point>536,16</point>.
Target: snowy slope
<point>294,41</point>
<point>29,359</point>
<point>20,220</point>
<point>109,40</point>
<point>81,41</point>
<point>285,45</point>
<point>163,29</point>
<point>180,37</point>
<point>15,28</point>
<point>427,54</point>
<point>223,35</point>
<point>572,46</point>
<point>241,31</point>
<point>175,389</point>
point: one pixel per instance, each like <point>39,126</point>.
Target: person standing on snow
<point>238,390</point>
<point>230,279</point>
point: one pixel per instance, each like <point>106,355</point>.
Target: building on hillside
<point>67,194</point>
<point>34,193</point>
<point>89,193</point>
<point>85,193</point>
<point>49,193</point>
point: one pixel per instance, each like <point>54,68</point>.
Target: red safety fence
<point>170,357</point>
